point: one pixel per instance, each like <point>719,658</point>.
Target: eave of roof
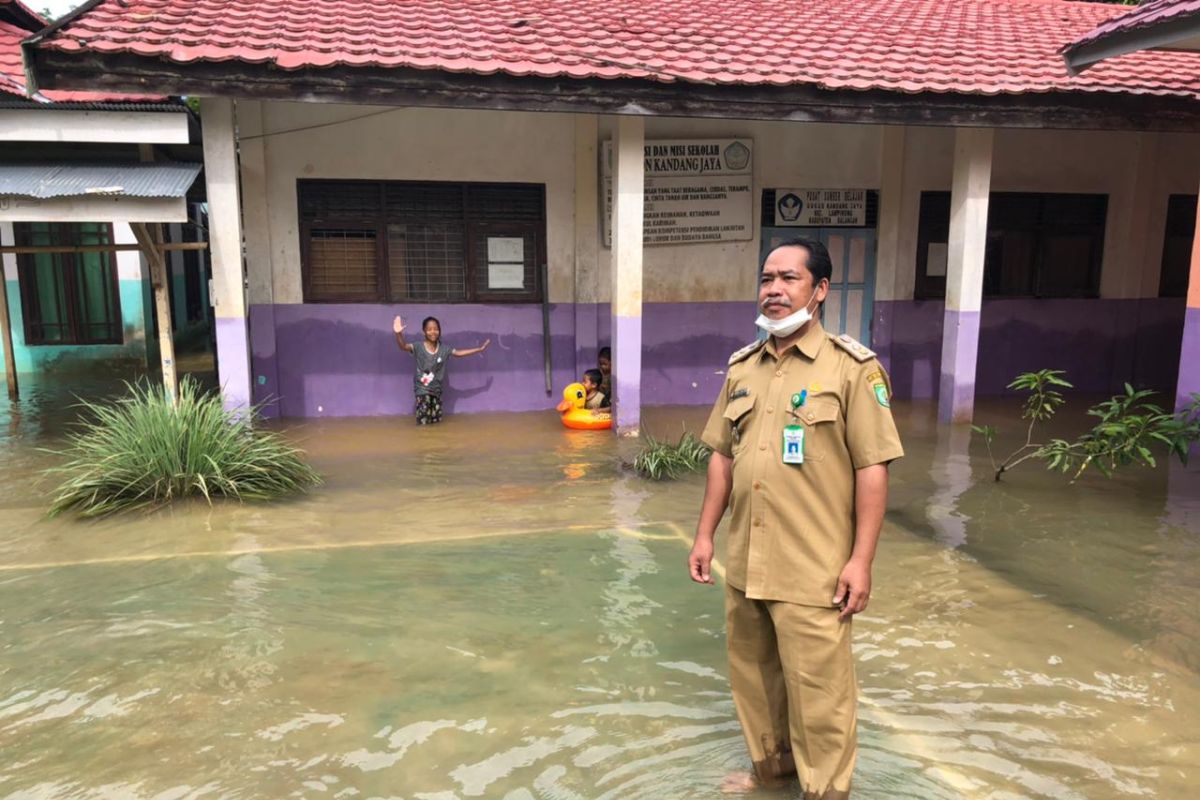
<point>1160,25</point>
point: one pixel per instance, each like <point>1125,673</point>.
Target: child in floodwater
<point>431,354</point>
<point>594,397</point>
<point>604,364</point>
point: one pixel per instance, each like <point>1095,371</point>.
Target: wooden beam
<point>10,357</point>
<point>34,249</point>
<point>149,236</point>
<point>675,98</point>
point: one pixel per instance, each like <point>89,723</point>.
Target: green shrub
<point>1130,427</point>
<point>659,460</point>
<point>140,451</point>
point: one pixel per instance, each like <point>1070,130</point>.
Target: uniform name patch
<point>734,395</point>
<point>881,394</point>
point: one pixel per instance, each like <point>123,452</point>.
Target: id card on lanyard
<point>793,444</point>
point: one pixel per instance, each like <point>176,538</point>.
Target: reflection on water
<point>493,609</point>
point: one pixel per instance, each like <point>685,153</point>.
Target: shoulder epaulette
<point>852,346</point>
<point>746,352</point>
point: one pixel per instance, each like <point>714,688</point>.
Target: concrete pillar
<point>964,272</point>
<point>893,276</point>
<point>1189,357</point>
<point>587,241</point>
<point>225,249</point>
<point>260,281</point>
<point>628,201</point>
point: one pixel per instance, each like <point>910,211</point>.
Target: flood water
<point>494,608</point>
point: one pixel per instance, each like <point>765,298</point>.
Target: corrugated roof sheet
<point>44,181</point>
<point>987,47</point>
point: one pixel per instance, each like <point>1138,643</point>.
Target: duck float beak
<point>564,406</point>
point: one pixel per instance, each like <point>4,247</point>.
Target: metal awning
<point>49,181</point>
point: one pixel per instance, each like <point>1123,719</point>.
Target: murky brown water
<point>491,608</point>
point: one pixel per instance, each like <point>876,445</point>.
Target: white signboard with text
<point>820,208</point>
<point>697,190</point>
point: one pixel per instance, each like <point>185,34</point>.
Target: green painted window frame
<point>76,322</point>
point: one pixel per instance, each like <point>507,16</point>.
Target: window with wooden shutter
<point>1038,245</point>
<point>1177,245</point>
<point>421,241</point>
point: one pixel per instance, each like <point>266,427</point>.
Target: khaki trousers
<point>794,689</point>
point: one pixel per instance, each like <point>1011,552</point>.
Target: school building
<point>557,177</point>
<point>71,183</point>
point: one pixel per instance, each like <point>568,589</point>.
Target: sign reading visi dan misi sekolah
<point>697,190</point>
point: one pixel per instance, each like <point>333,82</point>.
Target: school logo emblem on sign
<point>737,156</point>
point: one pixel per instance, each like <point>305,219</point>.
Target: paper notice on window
<point>506,262</point>
<point>506,249</point>
<point>935,261</point>
<point>506,276</point>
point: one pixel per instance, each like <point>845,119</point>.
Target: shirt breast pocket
<point>738,415</point>
<point>820,419</point>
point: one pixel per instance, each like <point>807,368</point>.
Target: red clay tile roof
<point>12,75</point>
<point>971,46</point>
<point>1150,15</point>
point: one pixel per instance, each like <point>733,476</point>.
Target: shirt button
<point>770,409</point>
<point>758,523</point>
<point>762,447</point>
<point>778,373</point>
<point>757,485</point>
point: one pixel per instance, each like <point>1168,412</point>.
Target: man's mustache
<point>775,301</point>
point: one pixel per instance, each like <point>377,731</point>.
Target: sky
<point>55,8</point>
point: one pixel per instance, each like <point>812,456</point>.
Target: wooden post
<point>150,238</point>
<point>10,357</point>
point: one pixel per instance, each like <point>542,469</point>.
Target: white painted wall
<point>363,142</point>
<point>429,144</point>
<point>1093,162</point>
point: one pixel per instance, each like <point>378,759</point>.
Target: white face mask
<point>788,325</point>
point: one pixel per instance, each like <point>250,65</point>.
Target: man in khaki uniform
<point>801,436</point>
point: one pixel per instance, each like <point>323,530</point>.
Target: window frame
<point>470,228</point>
<point>1171,285</point>
<point>65,234</point>
<point>926,287</point>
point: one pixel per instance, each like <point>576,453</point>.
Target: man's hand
<point>485,344</point>
<point>853,588</point>
<point>700,560</point>
<point>397,325</point>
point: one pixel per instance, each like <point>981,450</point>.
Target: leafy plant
<point>660,460</point>
<point>140,451</point>
<point>1129,427</point>
<point>1043,401</point>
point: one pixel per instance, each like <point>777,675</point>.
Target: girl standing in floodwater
<point>431,354</point>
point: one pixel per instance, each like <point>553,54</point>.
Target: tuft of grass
<point>140,452</point>
<point>660,460</point>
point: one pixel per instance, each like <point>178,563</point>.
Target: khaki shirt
<point>792,526</point>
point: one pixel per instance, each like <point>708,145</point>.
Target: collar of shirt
<point>809,344</point>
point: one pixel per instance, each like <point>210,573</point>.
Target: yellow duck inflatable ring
<point>576,415</point>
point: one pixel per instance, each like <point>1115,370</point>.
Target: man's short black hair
<point>594,375</point>
<point>428,320</point>
<point>605,352</point>
<point>820,266</point>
